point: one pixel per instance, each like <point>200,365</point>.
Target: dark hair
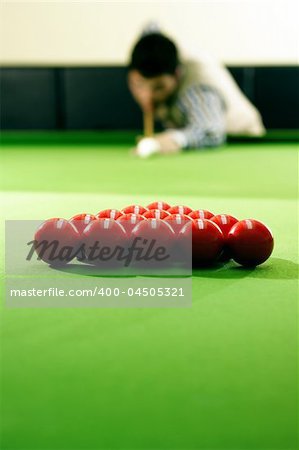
<point>154,55</point>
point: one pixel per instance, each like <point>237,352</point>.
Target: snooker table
<point>219,375</point>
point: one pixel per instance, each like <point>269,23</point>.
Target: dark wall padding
<point>277,96</point>
<point>28,99</point>
<point>98,97</point>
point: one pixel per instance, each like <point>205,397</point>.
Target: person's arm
<point>205,114</point>
<point>204,110</point>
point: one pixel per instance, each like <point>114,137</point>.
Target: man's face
<point>149,92</point>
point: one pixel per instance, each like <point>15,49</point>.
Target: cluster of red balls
<point>214,237</point>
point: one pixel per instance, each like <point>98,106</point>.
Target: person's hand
<point>167,143</point>
<point>161,143</point>
<point>140,91</point>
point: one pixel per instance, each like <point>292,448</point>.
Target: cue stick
<point>148,123</point>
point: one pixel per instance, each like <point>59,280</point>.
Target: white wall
<point>95,33</point>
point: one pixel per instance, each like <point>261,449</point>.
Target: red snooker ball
<point>56,241</point>
<point>207,241</point>
<point>134,209</point>
<point>155,234</point>
<point>179,209</point>
<point>224,222</point>
<point>101,233</point>
<point>250,242</point>
<point>200,214</point>
<point>129,221</point>
<point>109,214</point>
<point>159,205</point>
<point>154,229</point>
<point>80,221</point>
<point>156,214</point>
<point>177,221</point>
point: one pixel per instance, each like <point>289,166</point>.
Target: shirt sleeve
<point>204,110</point>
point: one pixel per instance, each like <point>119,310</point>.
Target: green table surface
<point>220,375</point>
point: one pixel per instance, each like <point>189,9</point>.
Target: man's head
<point>153,70</point>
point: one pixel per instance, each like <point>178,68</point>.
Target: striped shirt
<point>196,115</point>
<point>203,110</point>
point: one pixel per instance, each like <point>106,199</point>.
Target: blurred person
<point>196,101</point>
